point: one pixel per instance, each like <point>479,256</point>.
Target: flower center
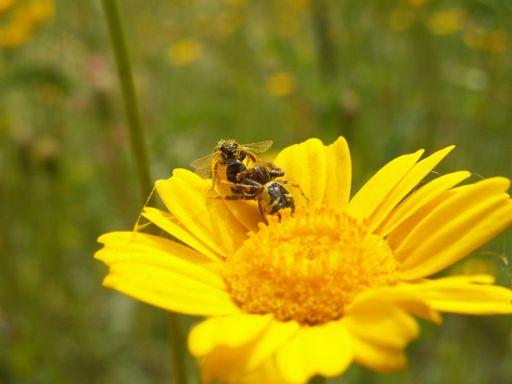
<point>308,267</point>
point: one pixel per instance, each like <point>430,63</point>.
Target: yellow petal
<point>480,278</point>
<point>241,355</point>
<point>381,324</point>
<point>381,328</point>
<point>193,207</point>
<point>228,231</point>
<point>159,252</point>
<point>378,358</point>
<point>168,223</point>
<point>373,193</point>
<point>410,302</point>
<point>471,295</point>
<point>229,365</point>
<point>399,234</point>
<point>229,331</point>
<point>456,238</point>
<point>324,349</point>
<point>306,165</point>
<point>245,211</point>
<point>339,174</point>
<point>420,199</point>
<point>274,336</point>
<point>186,197</point>
<point>446,207</point>
<point>410,180</point>
<point>223,367</point>
<point>168,289</point>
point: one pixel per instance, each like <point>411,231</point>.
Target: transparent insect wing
<point>259,147</point>
<point>203,165</point>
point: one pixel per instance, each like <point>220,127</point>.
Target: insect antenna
<point>142,223</point>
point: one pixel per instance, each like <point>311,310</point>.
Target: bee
<point>258,183</point>
<point>230,160</point>
<point>272,196</point>
<point>261,174</point>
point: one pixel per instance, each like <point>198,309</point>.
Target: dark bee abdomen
<point>233,168</point>
<point>258,174</point>
<point>280,197</point>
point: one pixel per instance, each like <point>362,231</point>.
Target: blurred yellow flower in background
<point>22,19</point>
<point>236,3</point>
<point>6,4</point>
<point>185,52</point>
<point>280,84</point>
<point>417,3</point>
<point>338,282</point>
<point>401,19</point>
<point>15,34</point>
<point>447,21</point>
<point>288,16</point>
<point>230,18</point>
<point>496,41</point>
<point>474,37</point>
<point>39,10</point>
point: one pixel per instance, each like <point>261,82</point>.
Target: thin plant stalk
<point>178,350</point>
<point>335,115</point>
<point>429,83</point>
<point>124,70</point>
<point>140,154</point>
<point>317,380</point>
<point>326,52</point>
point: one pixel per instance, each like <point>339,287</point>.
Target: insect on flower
<point>247,176</point>
<point>338,282</point>
<point>257,183</point>
<point>229,159</point>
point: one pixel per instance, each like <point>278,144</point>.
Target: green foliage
<point>206,70</point>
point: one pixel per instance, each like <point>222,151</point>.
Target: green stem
<point>326,52</point>
<point>178,351</point>
<point>336,114</point>
<point>137,139</point>
<point>140,153</point>
<point>317,380</point>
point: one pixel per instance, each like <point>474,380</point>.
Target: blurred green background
<point>390,75</point>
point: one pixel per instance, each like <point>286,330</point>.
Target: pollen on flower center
<point>308,267</point>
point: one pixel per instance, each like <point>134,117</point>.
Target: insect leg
<point>252,157</point>
<point>296,186</point>
<point>237,197</point>
<point>250,187</point>
<point>215,176</point>
<point>249,183</point>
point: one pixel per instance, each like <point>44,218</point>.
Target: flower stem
<point>177,349</point>
<point>140,154</point>
<point>137,139</point>
<point>326,51</point>
<point>317,380</point>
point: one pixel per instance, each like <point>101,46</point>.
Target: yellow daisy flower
<point>280,84</point>
<point>417,3</point>
<point>6,4</point>
<point>338,282</point>
<point>447,21</point>
<point>185,52</point>
<point>23,20</point>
